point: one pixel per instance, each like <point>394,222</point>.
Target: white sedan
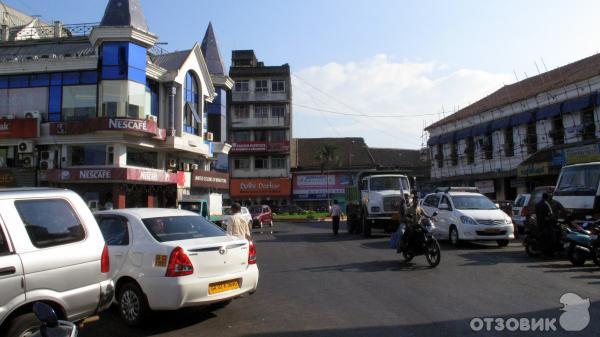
<point>167,259</point>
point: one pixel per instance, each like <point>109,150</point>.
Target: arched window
<point>192,121</point>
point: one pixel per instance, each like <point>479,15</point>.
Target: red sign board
<point>277,187</point>
<point>210,179</point>
<point>112,175</point>
<point>18,128</point>
<point>248,147</point>
<point>146,126</point>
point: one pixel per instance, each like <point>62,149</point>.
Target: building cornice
<point>222,81</point>
<point>49,65</point>
<point>109,33</point>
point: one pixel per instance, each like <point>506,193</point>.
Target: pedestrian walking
<point>236,225</point>
<point>335,212</point>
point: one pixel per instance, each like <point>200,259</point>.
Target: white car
<point>245,215</point>
<point>167,259</point>
<point>464,214</point>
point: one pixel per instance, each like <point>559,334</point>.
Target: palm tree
<point>327,157</point>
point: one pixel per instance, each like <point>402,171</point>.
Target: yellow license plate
<point>492,230</point>
<point>220,287</point>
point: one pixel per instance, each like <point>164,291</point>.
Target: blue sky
<point>374,57</point>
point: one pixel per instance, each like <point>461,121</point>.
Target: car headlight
<point>508,221</point>
<point>468,221</point>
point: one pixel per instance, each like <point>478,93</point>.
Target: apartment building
<point>259,130</point>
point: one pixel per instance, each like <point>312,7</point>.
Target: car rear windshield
<point>473,202</point>
<point>175,228</point>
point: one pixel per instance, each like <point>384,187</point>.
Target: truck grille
<point>391,204</point>
<point>488,222</point>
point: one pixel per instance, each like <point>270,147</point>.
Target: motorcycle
<point>423,243</point>
<point>51,326</point>
<point>536,242</point>
<point>582,242</point>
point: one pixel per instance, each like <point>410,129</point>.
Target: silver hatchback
<point>51,250</point>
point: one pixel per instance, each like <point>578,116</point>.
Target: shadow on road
<point>110,323</point>
<point>371,267</point>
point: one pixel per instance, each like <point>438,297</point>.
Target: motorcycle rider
<point>413,220</point>
<point>546,221</point>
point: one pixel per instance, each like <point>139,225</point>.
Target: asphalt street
<point>316,285</point>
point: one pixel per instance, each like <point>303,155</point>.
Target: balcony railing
<point>261,122</point>
<point>51,31</point>
<point>259,96</point>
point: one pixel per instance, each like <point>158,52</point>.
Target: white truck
<point>210,206</point>
<point>379,203</point>
<point>578,189</point>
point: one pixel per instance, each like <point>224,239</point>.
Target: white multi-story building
<point>519,136</point>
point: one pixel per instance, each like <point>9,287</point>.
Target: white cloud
<point>382,85</point>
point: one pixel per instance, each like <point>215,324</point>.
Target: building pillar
<point>171,92</point>
<point>58,27</point>
<point>118,197</point>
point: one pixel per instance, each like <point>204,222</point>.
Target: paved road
<point>316,285</point>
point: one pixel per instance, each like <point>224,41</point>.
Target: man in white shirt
<point>336,213</point>
<point>236,225</point>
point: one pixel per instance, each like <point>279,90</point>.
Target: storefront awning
<point>500,124</point>
<point>549,111</point>
<point>577,104</point>
<point>522,118</point>
<point>480,129</point>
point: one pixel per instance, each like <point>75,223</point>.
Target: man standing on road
<point>236,225</point>
<point>545,220</point>
<point>335,213</point>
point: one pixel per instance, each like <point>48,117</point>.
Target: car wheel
<point>133,307</point>
<point>23,326</point>
<point>576,257</point>
<point>454,239</point>
<point>502,243</point>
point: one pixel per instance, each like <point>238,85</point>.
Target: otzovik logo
<point>575,317</point>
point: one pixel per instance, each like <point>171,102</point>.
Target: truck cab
<point>208,206</point>
<point>380,200</point>
<point>578,189</point>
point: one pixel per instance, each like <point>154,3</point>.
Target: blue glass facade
<point>123,61</point>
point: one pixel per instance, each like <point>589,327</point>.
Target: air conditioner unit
<point>7,117</point>
<point>31,114</point>
<point>47,155</point>
<point>186,167</point>
<point>172,163</point>
<point>209,136</point>
<point>25,147</point>
<point>195,166</point>
<point>47,164</point>
<point>27,160</point>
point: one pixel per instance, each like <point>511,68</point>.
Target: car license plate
<point>220,287</point>
<point>492,230</point>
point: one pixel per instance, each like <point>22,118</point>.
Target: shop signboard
<point>485,186</point>
<point>210,179</point>
<point>320,184</point>
<point>112,175</point>
<point>145,126</point>
<point>532,170</point>
<point>582,154</point>
<point>250,147</point>
<point>24,128</point>
<point>275,187</point>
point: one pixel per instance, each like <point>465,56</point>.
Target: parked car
<point>261,215</point>
<point>519,210</point>
<point>167,259</point>
<point>465,214</point>
<point>51,250</point>
<point>227,213</point>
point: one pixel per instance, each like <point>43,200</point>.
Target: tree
<point>327,157</point>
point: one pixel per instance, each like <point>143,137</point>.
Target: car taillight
<point>252,253</point>
<point>105,260</point>
<point>179,264</point>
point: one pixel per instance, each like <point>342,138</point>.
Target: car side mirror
<point>444,206</point>
<point>46,314</point>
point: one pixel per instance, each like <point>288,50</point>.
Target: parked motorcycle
<point>51,326</point>
<point>423,243</point>
<point>582,242</point>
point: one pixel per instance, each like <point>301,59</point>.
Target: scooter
<point>51,326</point>
<point>423,243</point>
<point>582,241</point>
